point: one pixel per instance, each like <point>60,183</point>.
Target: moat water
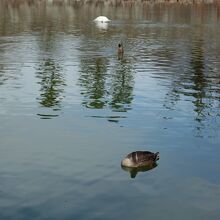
<point>71,109</point>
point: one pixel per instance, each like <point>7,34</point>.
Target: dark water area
<point>71,109</point>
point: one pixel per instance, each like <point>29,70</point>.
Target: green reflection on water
<point>103,87</point>
<point>51,82</point>
<point>92,80</point>
<point>122,87</point>
<point>200,84</point>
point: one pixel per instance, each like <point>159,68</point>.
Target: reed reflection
<point>28,14</point>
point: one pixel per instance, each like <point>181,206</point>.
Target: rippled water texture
<point>71,109</point>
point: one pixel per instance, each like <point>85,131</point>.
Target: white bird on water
<point>101,19</point>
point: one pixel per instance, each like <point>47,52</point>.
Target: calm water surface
<point>70,110</point>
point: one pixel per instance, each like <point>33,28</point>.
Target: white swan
<point>101,19</point>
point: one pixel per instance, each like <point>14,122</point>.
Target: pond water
<point>71,109</point>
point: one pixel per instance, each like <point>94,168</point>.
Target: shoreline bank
<point>115,2</point>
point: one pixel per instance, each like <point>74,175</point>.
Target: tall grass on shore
<point>112,2</point>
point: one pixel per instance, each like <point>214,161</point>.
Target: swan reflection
<point>102,25</point>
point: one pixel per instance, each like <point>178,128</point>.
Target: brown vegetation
<point>114,2</point>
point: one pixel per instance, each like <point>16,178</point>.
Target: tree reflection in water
<point>199,80</point>
<point>50,71</point>
<point>193,83</point>
<point>92,80</point>
<point>52,86</point>
<point>122,87</point>
<point>103,87</point>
